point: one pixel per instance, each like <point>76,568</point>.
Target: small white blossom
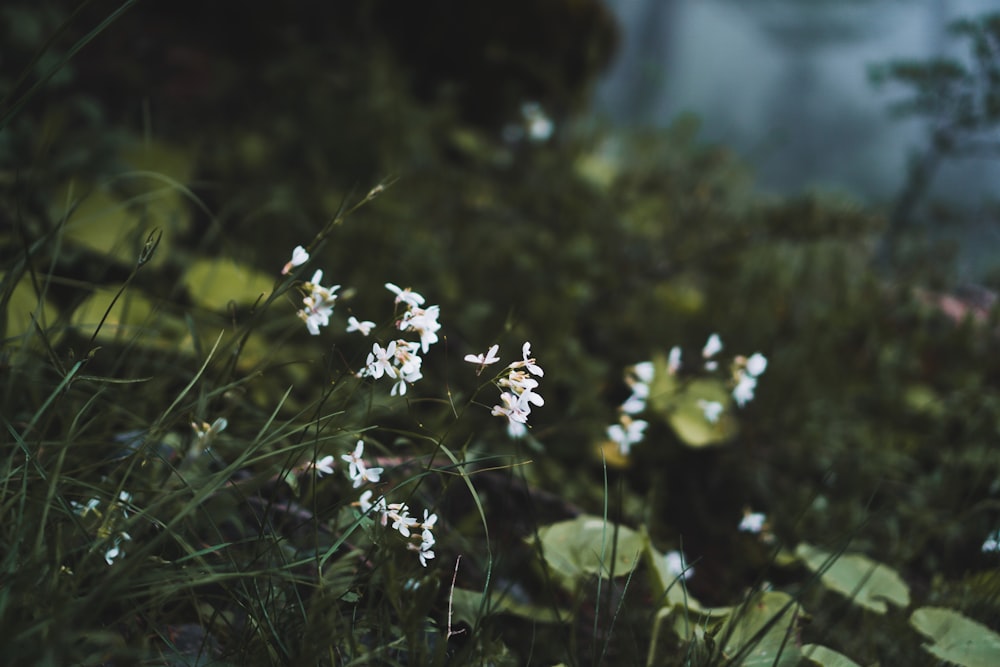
<point>364,327</point>
<point>528,362</point>
<point>712,346</point>
<point>401,519</point>
<point>424,321</point>
<point>752,522</point>
<point>992,543</point>
<point>627,433</point>
<point>677,565</point>
<point>674,360</point>
<point>756,364</point>
<point>711,409</point>
<point>357,469</point>
<point>380,360</point>
<point>81,509</point>
<point>644,371</point>
<point>744,390</point>
<point>116,551</point>
<point>484,360</point>
<point>299,257</point>
<point>406,295</point>
<point>324,466</point>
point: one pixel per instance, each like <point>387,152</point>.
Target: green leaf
<point>213,283</point>
<point>466,606</point>
<point>825,657</point>
<point>583,546</point>
<point>24,303</point>
<point>678,403</point>
<point>957,639</point>
<point>133,316</point>
<point>667,587</point>
<point>763,632</point>
<point>866,582</point>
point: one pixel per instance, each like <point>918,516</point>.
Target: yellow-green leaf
<point>825,657</point>
<point>583,546</point>
<point>764,632</point>
<point>866,582</point>
<point>213,283</point>
<point>957,638</point>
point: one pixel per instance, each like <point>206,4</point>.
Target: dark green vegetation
<point>162,178</point>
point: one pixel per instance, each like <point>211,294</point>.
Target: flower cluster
<point>400,359</point>
<point>398,513</point>
<point>745,375</point>
<point>420,533</point>
<point>629,431</point>
<point>116,550</point>
<point>318,303</point>
<point>517,387</point>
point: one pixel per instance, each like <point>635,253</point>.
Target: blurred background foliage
<point>240,129</point>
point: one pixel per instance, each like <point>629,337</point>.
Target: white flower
<point>380,360</point>
<point>364,327</point>
<point>366,504</point>
<point>484,360</point>
<point>674,360</point>
<point>752,522</point>
<point>407,295</point>
<point>712,347</point>
<point>423,550</point>
<point>677,565</point>
<point>358,470</point>
<point>743,392</point>
<point>992,543</point>
<point>539,125</point>
<point>315,315</point>
<point>529,362</point>
<point>711,410</point>
<point>324,466</point>
<point>116,551</point>
<point>299,257</point>
<point>627,433</point>
<point>756,364</point>
<point>636,403</point>
<point>83,510</point>
<point>512,408</point>
<point>644,371</point>
<point>401,519</point>
<point>425,555</point>
<point>424,322</point>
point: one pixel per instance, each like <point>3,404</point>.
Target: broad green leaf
<point>133,317</point>
<point>583,546</point>
<point>149,195</point>
<point>213,283</point>
<point>667,587</point>
<point>866,582</point>
<point>678,403</point>
<point>107,225</point>
<point>677,632</point>
<point>466,606</point>
<point>764,632</point>
<point>957,638</point>
<point>24,304</point>
<point>825,657</point>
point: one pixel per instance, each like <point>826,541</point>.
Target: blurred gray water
<point>785,84</point>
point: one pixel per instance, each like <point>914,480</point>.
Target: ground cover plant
<point>372,379</point>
